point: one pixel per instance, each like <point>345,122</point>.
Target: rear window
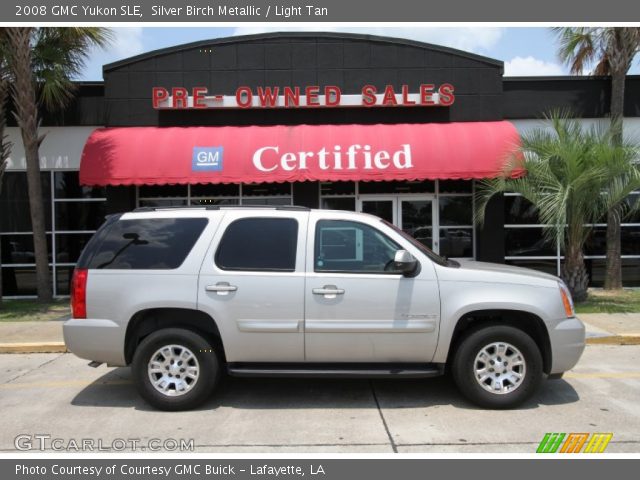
<point>158,243</point>
<point>259,244</point>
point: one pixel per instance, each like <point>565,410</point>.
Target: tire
<point>181,386</point>
<point>510,345</point>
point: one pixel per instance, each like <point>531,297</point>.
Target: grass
<point>617,301</point>
<point>32,311</point>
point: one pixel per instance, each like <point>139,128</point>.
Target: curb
<point>614,340</point>
<point>34,347</point>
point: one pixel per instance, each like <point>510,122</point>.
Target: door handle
<point>329,291</point>
<point>221,288</point>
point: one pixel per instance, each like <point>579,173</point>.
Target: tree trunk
<point>26,113</point>
<point>574,273</point>
<point>613,277</point>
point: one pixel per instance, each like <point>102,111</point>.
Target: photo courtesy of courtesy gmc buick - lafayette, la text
<point>185,294</point>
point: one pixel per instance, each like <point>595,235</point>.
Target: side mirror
<point>406,263</point>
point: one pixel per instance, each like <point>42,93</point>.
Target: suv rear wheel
<point>175,369</point>
<point>497,366</point>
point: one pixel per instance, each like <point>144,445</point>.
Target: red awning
<point>177,155</point>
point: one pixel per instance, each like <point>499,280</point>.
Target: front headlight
<point>567,301</point>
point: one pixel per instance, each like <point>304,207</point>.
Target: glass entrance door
<point>384,207</point>
<point>415,214</point>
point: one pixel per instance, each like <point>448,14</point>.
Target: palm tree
<point>42,62</point>
<point>568,178</point>
<point>612,51</point>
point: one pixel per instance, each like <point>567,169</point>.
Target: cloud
<point>471,39</point>
<point>126,42</point>
<point>530,66</point>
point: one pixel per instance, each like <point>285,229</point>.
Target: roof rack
<point>294,208</point>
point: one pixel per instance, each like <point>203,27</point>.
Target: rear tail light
<point>79,293</point>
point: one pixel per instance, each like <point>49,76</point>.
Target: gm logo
<point>208,159</point>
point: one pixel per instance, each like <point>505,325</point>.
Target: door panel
<point>259,312</point>
<point>357,312</point>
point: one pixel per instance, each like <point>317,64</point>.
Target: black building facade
<point>438,211</point>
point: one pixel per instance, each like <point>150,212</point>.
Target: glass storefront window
<point>630,240</point>
<point>266,201</point>
<point>426,186</point>
<point>455,186</point>
<point>162,202</point>
<point>528,242</point>
<point>14,202</point>
<point>19,248</point>
<point>519,211</point>
<point>337,188</point>
<point>19,281</point>
<point>266,189</point>
<point>80,215</point>
<point>67,185</point>
<point>596,244</point>
<point>456,242</point>
<point>75,208</point>
<point>597,270</point>
<point>162,191</point>
<point>456,210</point>
<point>63,279</point>
<point>212,191</point>
<point>69,246</point>
<point>379,208</point>
<point>345,203</point>
<point>214,201</point>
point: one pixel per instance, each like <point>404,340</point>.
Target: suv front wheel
<point>497,366</point>
<point>175,369</point>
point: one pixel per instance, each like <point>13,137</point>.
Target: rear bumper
<point>98,340</point>
<point>567,344</point>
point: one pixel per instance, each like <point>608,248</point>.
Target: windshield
<point>422,247</point>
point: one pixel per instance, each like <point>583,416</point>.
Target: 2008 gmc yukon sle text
<point>180,294</point>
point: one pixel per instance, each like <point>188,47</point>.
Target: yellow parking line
<point>622,339</point>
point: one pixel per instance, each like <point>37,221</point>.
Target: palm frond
<point>574,176</point>
<point>58,56</point>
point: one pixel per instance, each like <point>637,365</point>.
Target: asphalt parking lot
<point>60,396</point>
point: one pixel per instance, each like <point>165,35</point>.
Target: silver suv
<point>182,294</point>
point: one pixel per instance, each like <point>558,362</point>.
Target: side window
<point>259,244</point>
<point>351,247</point>
<point>158,243</point>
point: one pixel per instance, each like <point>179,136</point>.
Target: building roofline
<point>562,78</point>
<point>279,35</point>
<point>572,78</point>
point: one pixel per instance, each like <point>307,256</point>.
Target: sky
<point>525,50</point>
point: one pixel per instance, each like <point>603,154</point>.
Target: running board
<point>343,370</point>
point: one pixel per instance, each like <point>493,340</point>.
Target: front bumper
<point>97,340</point>
<point>567,344</point>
